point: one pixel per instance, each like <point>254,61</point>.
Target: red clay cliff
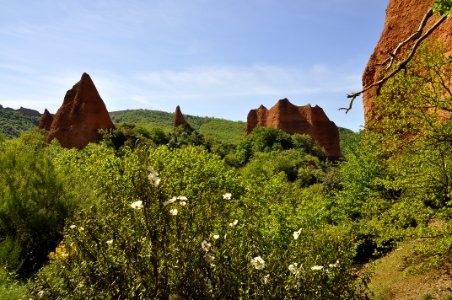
<point>82,114</point>
<point>298,119</point>
<point>402,20</point>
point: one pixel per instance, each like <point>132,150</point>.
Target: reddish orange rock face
<point>82,114</point>
<point>402,20</point>
<point>178,118</point>
<point>298,119</point>
<point>46,120</point>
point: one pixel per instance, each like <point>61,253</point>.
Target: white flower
<point>293,268</point>
<point>183,203</point>
<point>137,204</point>
<point>334,265</point>
<point>172,200</point>
<point>153,177</point>
<point>266,278</point>
<point>205,246</point>
<point>233,223</point>
<point>258,263</point>
<point>316,268</point>
<point>296,234</point>
<point>109,242</point>
<point>209,258</point>
<point>182,198</point>
<point>173,212</point>
<point>227,196</point>
<point>216,236</point>
<point>72,226</point>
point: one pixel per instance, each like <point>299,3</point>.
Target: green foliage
<point>33,204</point>
<point>11,288</point>
<point>228,132</point>
<point>13,123</point>
<point>443,7</point>
<point>398,178</point>
<point>264,139</point>
<point>180,223</point>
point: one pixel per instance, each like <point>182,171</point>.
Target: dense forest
<point>152,212</point>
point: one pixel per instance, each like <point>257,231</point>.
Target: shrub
<point>179,223</point>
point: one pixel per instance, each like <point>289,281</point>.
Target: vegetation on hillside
<point>175,214</point>
<point>229,132</point>
<point>13,123</point>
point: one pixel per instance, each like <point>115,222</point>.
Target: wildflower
<point>137,204</point>
<point>233,223</point>
<point>183,203</point>
<point>227,196</point>
<point>209,258</point>
<point>72,226</point>
<point>258,263</point>
<point>41,294</point>
<point>296,234</point>
<point>182,198</point>
<point>109,242</point>
<point>172,200</point>
<point>216,236</point>
<point>334,265</point>
<point>316,268</point>
<point>293,268</point>
<point>153,177</point>
<point>266,278</point>
<point>173,212</point>
<point>205,246</point>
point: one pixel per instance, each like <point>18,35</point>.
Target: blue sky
<point>213,58</point>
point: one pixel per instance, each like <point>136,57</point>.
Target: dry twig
<point>418,38</point>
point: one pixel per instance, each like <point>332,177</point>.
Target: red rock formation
<point>298,119</point>
<point>46,120</point>
<point>402,20</point>
<point>179,119</point>
<point>82,114</point>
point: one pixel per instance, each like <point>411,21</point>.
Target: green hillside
<point>14,122</point>
<point>227,131</point>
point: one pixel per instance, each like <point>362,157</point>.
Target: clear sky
<point>216,58</point>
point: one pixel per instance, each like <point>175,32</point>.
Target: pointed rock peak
<point>284,103</point>
<point>262,107</point>
<point>83,113</point>
<point>46,120</point>
<point>179,119</point>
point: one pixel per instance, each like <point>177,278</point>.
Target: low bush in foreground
<point>180,224</point>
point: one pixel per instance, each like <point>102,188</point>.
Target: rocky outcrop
<point>402,20</point>
<point>46,120</point>
<point>179,120</point>
<point>29,112</point>
<point>298,119</point>
<point>83,113</point>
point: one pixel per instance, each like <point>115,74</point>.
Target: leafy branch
<point>444,8</point>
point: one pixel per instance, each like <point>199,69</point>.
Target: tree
<point>441,7</point>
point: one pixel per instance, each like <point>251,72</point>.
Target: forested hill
<point>224,130</point>
<point>14,122</point>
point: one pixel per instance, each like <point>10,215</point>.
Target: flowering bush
<point>210,241</point>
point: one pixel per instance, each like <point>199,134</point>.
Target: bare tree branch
<point>418,39</point>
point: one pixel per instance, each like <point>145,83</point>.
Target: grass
<point>391,281</point>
